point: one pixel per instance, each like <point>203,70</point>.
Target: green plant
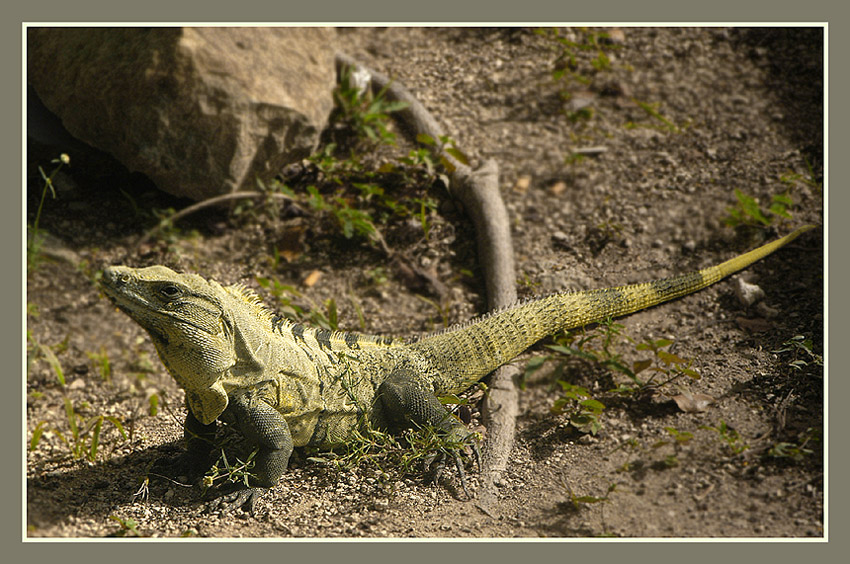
<point>748,212</point>
<point>567,63</point>
<point>83,432</point>
<point>102,363</point>
<point>166,229</point>
<point>443,308</point>
<point>801,351</point>
<point>668,366</point>
<point>390,454</point>
<point>223,471</point>
<point>334,169</point>
<point>362,112</point>
<point>680,438</point>
<point>35,235</point>
<point>126,527</point>
<point>598,349</point>
<point>795,451</point>
<point>583,409</point>
<point>791,178</point>
<point>654,113</point>
<point>285,296</point>
<point>36,351</point>
<point>578,62</point>
<point>578,500</point>
<point>734,442</point>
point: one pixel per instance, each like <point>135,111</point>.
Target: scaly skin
<point>288,385</point>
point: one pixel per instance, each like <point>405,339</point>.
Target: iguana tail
<point>463,355</point>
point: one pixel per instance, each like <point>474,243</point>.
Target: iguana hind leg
<point>408,399</point>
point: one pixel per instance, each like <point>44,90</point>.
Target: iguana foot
<point>246,497</point>
<point>436,463</point>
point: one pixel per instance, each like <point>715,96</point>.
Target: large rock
<point>201,111</point>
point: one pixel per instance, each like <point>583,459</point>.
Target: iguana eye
<point>170,291</point>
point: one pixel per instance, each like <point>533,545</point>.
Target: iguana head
<point>186,319</point>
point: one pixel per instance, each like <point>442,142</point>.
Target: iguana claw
<point>436,463</point>
<point>246,497</point>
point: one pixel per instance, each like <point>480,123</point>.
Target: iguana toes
<point>287,385</point>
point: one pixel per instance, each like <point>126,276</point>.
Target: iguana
<point>286,385</point>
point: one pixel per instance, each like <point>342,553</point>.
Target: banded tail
<point>462,356</point>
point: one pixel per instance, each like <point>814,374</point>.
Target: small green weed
<point>102,364</point>
<point>657,121</point>
<point>679,439</point>
<point>230,473</point>
<point>336,170</point>
<point>577,501</point>
<point>167,231</point>
<point>573,54</point>
<point>285,296</point>
<point>795,451</point>
<point>748,212</point>
<point>362,202</point>
<point>800,349</point>
<point>36,235</point>
<point>84,432</point>
<point>577,64</point>
<point>791,178</point>
<point>734,442</point>
<point>388,454</point>
<point>358,110</point>
<point>668,367</point>
<point>351,221</point>
<point>599,348</point>
<point>443,308</point>
<point>36,351</point>
<point>126,527</point>
<point>584,411</point>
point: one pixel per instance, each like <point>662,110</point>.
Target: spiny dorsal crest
<point>250,298</point>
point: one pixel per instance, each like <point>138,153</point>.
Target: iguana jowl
<point>286,385</point>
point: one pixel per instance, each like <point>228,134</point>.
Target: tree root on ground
<point>478,192</point>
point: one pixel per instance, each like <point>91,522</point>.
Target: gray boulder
<point>201,111</point>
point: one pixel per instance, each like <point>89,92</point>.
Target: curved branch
<point>214,201</point>
<point>478,192</point>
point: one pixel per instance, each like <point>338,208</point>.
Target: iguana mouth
<point>113,282</point>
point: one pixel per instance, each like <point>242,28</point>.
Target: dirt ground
<point>628,179</point>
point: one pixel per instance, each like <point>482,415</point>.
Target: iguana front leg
<point>195,460</point>
<point>407,398</point>
<point>199,441</point>
<point>266,429</point>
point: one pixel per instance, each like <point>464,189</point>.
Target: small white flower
<point>360,79</point>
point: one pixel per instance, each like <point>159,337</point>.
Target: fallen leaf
<point>312,278</point>
<point>522,183</point>
<point>693,403</point>
<point>558,188</point>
